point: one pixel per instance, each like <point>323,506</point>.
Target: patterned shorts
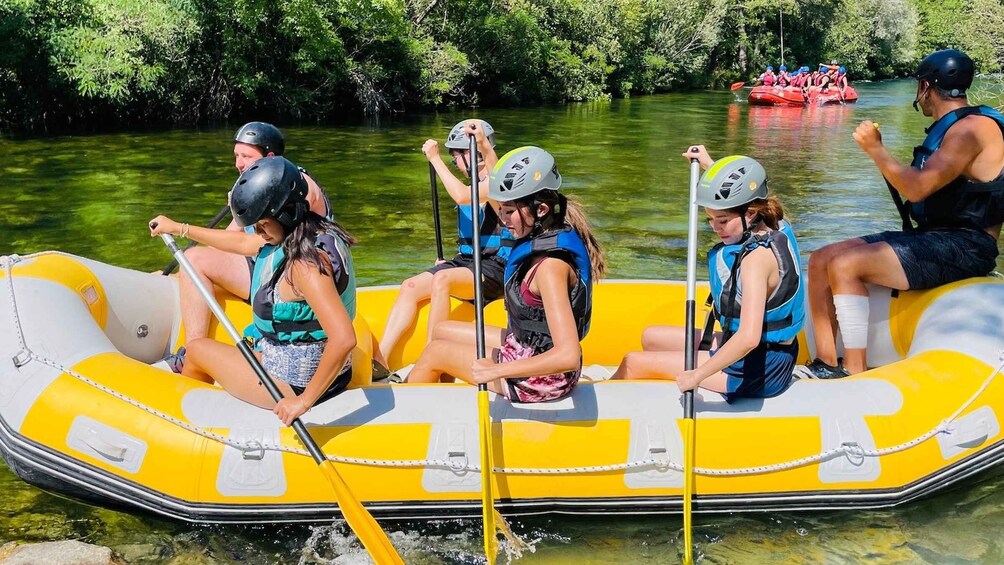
<point>295,363</point>
<point>533,389</point>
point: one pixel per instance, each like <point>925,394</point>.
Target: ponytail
<point>575,216</point>
<point>768,210</point>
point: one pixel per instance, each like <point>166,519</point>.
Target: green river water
<point>92,196</point>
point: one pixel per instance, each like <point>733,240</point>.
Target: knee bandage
<point>852,317</point>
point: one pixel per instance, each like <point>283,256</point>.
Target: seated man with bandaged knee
<point>953,190</point>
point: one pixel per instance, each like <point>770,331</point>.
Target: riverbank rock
<point>57,553</point>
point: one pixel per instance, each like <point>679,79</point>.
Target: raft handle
<point>107,449</point>
<point>854,452</point>
<point>21,359</point>
<point>457,462</point>
<point>253,451</point>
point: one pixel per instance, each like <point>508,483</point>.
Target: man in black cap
<point>954,192</point>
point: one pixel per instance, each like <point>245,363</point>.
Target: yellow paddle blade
<point>372,536</point>
<point>487,497</point>
<point>515,544</point>
<point>688,490</point>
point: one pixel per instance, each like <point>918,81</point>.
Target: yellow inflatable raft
<point>85,410</point>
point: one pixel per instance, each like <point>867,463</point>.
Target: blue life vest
<point>529,323</point>
<point>495,238</point>
<point>295,321</point>
<point>785,308</point>
<point>962,203</point>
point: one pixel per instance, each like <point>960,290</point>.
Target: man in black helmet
<point>232,272</point>
<point>954,192</point>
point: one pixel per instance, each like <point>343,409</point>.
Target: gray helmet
<point>270,188</point>
<point>732,182</point>
<point>522,172</point>
<point>458,137</point>
<point>263,135</point>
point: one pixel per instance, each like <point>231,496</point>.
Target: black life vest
<point>528,323</point>
<point>962,203</point>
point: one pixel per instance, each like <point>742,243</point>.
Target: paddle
<point>736,85</point>
<point>435,212</point>
<point>902,207</point>
<point>689,436</point>
<point>212,224</point>
<point>359,519</point>
<point>484,412</point>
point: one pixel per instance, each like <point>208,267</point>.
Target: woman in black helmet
<point>252,141</point>
<point>548,291</point>
<point>302,293</point>
<point>954,192</point>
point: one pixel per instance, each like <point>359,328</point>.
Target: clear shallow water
<point>93,195</point>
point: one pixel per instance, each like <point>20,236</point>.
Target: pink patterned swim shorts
<point>533,389</point>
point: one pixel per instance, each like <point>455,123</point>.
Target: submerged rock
<point>57,553</point>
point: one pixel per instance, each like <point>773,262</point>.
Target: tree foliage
<point>104,63</point>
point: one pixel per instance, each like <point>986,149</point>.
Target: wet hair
<point>562,210</point>
<point>767,210</point>
<point>300,242</point>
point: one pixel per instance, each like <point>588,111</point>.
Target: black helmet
<point>270,188</point>
<point>950,70</point>
<point>263,135</point>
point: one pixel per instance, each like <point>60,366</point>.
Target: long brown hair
<point>300,242</point>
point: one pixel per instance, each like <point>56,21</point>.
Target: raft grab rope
<point>255,450</point>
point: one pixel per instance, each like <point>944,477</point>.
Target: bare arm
<point>957,152</point>
<point>322,296</point>
<point>238,242</point>
<point>552,281</point>
<point>755,274</point>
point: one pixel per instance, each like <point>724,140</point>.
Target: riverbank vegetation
<point>69,64</point>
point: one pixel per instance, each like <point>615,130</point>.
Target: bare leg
<point>824,317</point>
<point>457,282</point>
<point>413,291</point>
<point>209,360</point>
<point>668,338</point>
<point>874,263</point>
<point>226,270</point>
<point>665,365</point>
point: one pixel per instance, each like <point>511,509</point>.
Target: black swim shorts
<point>492,273</point>
<point>935,257</point>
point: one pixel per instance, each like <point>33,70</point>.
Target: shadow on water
<point>93,195</point>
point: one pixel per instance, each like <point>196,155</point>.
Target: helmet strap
<point>291,215</point>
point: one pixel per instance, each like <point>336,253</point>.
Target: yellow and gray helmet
<point>522,172</point>
<point>732,182</point>
<point>458,137</point>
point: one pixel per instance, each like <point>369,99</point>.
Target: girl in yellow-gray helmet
<point>548,291</point>
<point>756,285</point>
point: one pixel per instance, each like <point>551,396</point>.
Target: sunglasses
<point>456,158</point>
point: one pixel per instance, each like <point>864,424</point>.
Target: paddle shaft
<point>359,519</point>
<point>689,362</point>
<point>212,224</point>
<point>484,409</point>
<point>435,211</point>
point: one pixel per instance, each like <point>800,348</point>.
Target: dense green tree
<point>104,63</point>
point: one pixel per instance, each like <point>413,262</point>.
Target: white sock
<point>852,316</point>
